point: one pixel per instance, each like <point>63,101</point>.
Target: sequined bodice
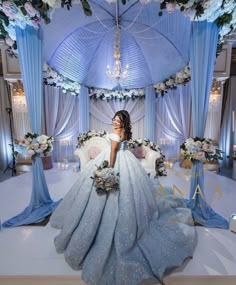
<point>123,145</point>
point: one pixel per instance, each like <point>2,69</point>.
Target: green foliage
<point>86,8</point>
<point>224,19</point>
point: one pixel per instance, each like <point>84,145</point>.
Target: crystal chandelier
<point>117,72</point>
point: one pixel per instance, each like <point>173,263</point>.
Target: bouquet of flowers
<point>35,145</point>
<point>106,179</point>
<point>200,149</point>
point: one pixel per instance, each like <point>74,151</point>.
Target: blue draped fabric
<point>202,59</point>
<point>150,114</point>
<point>83,110</point>
<point>201,212</point>
<point>29,43</point>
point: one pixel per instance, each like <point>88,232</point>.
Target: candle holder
<point>64,144</point>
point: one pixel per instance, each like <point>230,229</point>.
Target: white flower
<point>39,150</point>
<point>170,7</point>
<point>42,139</point>
<point>189,141</point>
<point>111,1</point>
<point>145,1</point>
<point>53,73</point>
<point>45,67</point>
<point>9,41</point>
<point>170,82</point>
<point>50,2</point>
<point>31,152</point>
<point>162,86</point>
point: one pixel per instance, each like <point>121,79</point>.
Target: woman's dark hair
<point>125,122</point>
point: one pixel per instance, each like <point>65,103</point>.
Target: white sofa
<point>96,144</point>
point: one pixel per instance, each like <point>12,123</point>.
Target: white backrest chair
<point>95,145</point>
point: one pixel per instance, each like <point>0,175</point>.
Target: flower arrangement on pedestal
<point>200,149</point>
<point>35,145</point>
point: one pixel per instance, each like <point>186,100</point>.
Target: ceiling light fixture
<point>117,72</point>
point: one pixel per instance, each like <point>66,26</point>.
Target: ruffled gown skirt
<point>126,236</point>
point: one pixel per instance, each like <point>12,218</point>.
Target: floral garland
<point>84,137</point>
<point>200,149</point>
<point>29,12</point>
<point>52,78</point>
<point>132,144</point>
<point>121,95</point>
<point>181,78</point>
<point>223,13</point>
<point>35,145</point>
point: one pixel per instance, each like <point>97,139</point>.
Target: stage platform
<point>28,256</point>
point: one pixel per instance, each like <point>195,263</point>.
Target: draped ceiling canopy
<point>81,47</point>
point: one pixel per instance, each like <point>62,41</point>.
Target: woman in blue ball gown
<point>124,237</point>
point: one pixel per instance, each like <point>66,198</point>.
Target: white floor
<point>30,250</point>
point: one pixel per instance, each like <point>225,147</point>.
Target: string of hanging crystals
<point>117,73</point>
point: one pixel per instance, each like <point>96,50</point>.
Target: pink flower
<point>31,152</point>
<point>207,147</point>
<point>170,7</point>
<point>139,152</point>
<point>94,152</point>
<point>9,41</point>
<point>36,22</point>
<point>10,9</point>
<point>43,146</point>
<point>200,155</point>
<point>30,9</point>
<point>198,143</point>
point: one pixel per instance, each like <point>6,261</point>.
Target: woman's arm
<point>114,149</point>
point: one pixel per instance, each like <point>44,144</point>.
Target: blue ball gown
<point>124,237</point>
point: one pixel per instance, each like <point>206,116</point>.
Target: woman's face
<point>116,122</point>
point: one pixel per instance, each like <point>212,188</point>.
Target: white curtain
<point>61,121</point>
<point>5,138</point>
<point>102,112</point>
<point>21,116</point>
<point>227,138</point>
<point>173,119</point>
<point>212,129</point>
